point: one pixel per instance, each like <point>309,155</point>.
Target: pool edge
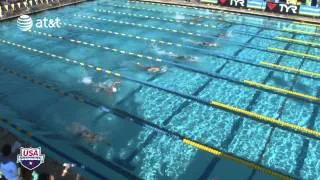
<point>237,10</point>
<point>44,9</point>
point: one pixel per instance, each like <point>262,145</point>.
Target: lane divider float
<point>294,53</point>
<point>233,158</point>
<point>284,91</point>
<point>298,41</point>
<point>310,73</point>
<point>267,119</point>
<point>301,32</point>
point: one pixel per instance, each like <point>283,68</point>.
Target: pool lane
<point>215,104</point>
<point>161,42</point>
<point>271,49</point>
<point>211,15</point>
<point>166,13</point>
<point>121,114</point>
<point>203,11</point>
<point>264,153</point>
<point>248,83</point>
<point>46,93</point>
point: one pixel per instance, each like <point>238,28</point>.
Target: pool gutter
<point>50,7</point>
<point>298,18</point>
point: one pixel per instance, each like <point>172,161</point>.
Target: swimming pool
<point>252,95</point>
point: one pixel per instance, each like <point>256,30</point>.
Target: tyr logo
<point>236,2</point>
<point>287,8</point>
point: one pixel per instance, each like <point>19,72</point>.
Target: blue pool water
<point>115,35</point>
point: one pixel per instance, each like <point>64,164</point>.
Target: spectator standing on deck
<point>8,166</point>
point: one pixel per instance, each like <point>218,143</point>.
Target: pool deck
<point>235,10</point>
<point>40,8</point>
<point>50,165</point>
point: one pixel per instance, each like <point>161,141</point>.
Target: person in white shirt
<point>8,167</point>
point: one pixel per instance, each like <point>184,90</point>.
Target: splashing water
<point>179,17</point>
<point>86,80</point>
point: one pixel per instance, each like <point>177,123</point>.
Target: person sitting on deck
<point>152,69</point>
<point>8,167</point>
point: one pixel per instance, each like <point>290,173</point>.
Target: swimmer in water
<point>111,89</point>
<point>152,69</point>
<point>206,44</point>
<point>197,20</point>
<point>185,58</point>
<point>84,133</point>
<point>225,35</point>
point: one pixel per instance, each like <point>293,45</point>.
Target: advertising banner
<point>282,8</point>
<point>233,3</point>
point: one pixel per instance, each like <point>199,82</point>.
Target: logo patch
<point>30,158</point>
<point>271,6</point>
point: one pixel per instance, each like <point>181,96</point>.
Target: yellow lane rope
<point>267,119</point>
<point>236,159</point>
<point>301,32</point>
<point>294,52</point>
<point>268,87</point>
<point>298,41</point>
<point>157,18</point>
<point>291,69</point>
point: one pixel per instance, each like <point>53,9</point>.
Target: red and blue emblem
<point>30,158</point>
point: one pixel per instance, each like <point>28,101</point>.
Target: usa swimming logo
<point>30,158</point>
